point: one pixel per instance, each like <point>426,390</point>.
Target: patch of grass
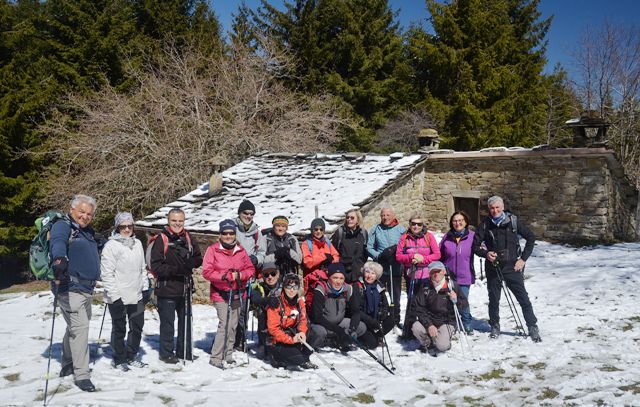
<point>419,396</point>
<point>520,365</point>
<point>363,398</point>
<point>388,402</point>
<point>538,366</point>
<point>30,287</point>
<point>254,375</point>
<point>609,368</point>
<point>494,374</point>
<point>166,400</point>
<point>600,402</point>
<point>540,376</point>
<point>627,327</point>
<point>425,379</point>
<point>582,329</point>
<point>525,389</point>
<point>548,394</point>
<point>13,377</point>
<point>157,381</point>
<point>634,388</point>
<point>635,318</point>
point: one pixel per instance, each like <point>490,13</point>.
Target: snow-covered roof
<point>290,185</point>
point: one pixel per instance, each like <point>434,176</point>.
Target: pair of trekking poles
<point>242,306</point>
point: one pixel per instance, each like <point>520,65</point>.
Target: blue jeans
<point>466,312</point>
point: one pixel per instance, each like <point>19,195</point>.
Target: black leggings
<point>119,312</point>
<point>288,355</point>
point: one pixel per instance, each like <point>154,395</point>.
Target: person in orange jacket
<point>317,254</point>
<point>287,327</point>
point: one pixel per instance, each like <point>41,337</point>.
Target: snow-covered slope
<point>586,301</point>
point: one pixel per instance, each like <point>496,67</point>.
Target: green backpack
<point>39,260</point>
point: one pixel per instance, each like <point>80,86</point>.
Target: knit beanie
<point>246,205</point>
<point>318,222</point>
<point>335,268</point>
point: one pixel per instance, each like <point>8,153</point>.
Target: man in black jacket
<point>499,233</point>
<point>173,266</point>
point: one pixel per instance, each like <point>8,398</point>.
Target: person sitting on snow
<point>265,294</point>
<point>335,312</point>
<point>287,328</point>
<point>374,305</point>
<point>434,317</point>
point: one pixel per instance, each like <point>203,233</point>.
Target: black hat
<point>246,205</point>
<point>291,278</point>
<point>336,268</point>
<point>317,222</point>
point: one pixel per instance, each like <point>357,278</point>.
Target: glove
<point>387,254</point>
<point>344,339</point>
<point>254,260</point>
<point>59,267</point>
<point>329,259</point>
<point>272,302</point>
<point>282,254</point>
<point>353,334</point>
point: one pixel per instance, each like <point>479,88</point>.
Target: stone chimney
<point>215,181</point>
<point>589,130</point>
<point>428,140</point>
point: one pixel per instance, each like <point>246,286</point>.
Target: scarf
<point>335,292</point>
<point>442,284</point>
<point>497,221</point>
<point>128,242</point>
<point>228,246</point>
<point>372,299</point>
<point>460,233</point>
<point>243,227</point>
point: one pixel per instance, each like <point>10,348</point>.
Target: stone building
<point>572,195</point>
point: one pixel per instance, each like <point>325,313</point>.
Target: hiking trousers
<point>76,310</point>
<point>515,283</point>
<point>218,343</point>
<point>168,308</point>
<point>123,352</point>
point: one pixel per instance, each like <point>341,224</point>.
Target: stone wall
<point>565,195</point>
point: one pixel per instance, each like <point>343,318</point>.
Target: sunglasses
<point>123,227</point>
<point>417,223</point>
<point>228,234</point>
<point>270,274</point>
<point>318,229</point>
<point>293,286</point>
<point>351,217</point>
<point>248,213</point>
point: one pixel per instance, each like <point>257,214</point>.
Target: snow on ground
<point>585,299</point>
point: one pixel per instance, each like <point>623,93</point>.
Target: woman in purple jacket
<point>457,255</point>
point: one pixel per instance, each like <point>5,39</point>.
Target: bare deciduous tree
<point>609,65</point>
<point>187,113</point>
<point>401,132</point>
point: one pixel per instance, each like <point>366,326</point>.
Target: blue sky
<point>571,18</point>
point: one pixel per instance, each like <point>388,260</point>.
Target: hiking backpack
<point>165,245</point>
<point>39,256</point>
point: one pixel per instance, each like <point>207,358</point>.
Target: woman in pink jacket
<point>416,249</point>
<point>228,267</point>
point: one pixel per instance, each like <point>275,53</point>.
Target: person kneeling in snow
<point>374,305</point>
<point>287,327</point>
<point>434,314</point>
<point>265,294</point>
<point>335,312</point>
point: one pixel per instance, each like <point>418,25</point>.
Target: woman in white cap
<point>124,278</point>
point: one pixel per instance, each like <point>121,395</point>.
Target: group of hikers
<point>342,292</point>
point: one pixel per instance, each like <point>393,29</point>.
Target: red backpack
<point>165,244</point>
<point>310,282</point>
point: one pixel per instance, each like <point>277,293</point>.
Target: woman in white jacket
<point>124,278</point>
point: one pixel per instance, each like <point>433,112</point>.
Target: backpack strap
<point>310,244</point>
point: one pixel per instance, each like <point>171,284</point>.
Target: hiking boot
<point>85,385</point>
<point>172,360</point>
<point>123,367</point>
<point>216,363</point>
<point>66,370</point>
<point>309,365</point>
<point>534,333</point>
<point>137,363</point>
<point>495,331</point>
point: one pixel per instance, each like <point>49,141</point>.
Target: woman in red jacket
<point>228,267</point>
<point>287,327</point>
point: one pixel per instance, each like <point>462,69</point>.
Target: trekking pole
<point>243,311</point>
<point>226,324</point>
<point>53,322</point>
<point>329,365</point>
<point>409,305</point>
<point>510,302</point>
<point>459,324</point>
<point>386,346</point>
<point>393,301</point>
<point>104,312</point>
<point>246,324</point>
<point>184,320</point>
<point>374,357</point>
<point>191,317</point>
